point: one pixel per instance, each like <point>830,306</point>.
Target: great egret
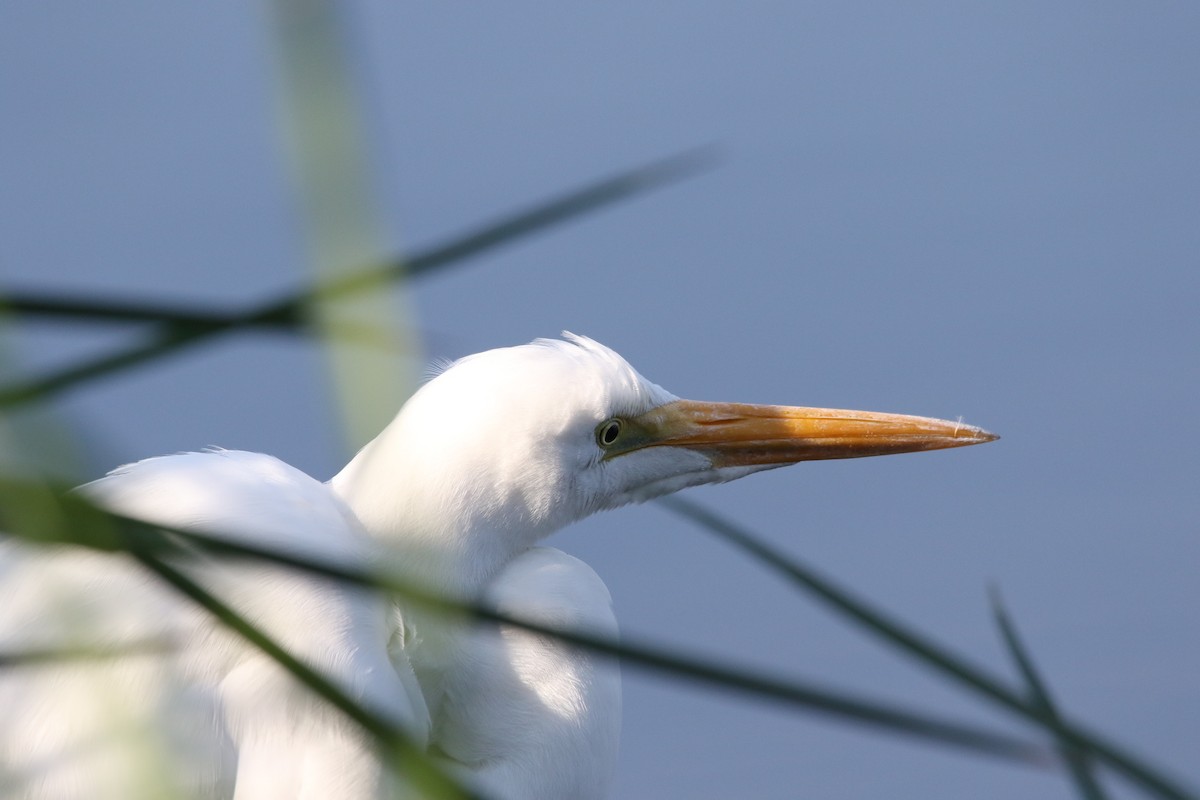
<point>494,454</point>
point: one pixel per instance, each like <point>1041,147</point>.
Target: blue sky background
<point>986,210</point>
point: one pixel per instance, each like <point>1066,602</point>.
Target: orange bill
<point>740,434</point>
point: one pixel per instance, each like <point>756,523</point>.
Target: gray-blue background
<point>987,210</point>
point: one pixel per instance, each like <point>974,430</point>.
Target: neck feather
<point>450,530</point>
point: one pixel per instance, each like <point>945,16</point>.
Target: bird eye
<point>608,432</point>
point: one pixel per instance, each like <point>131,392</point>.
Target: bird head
<point>504,447</point>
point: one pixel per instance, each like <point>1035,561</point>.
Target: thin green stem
<point>1078,762</point>
<point>396,746</point>
<point>79,521</point>
<point>188,328</point>
<point>928,652</point>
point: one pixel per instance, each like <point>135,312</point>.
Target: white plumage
<point>494,454</point>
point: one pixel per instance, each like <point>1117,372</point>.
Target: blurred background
<point>980,211</point>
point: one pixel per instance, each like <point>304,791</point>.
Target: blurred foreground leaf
<point>321,120</point>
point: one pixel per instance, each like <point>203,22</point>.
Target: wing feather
<point>208,708</point>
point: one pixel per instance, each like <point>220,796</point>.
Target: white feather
<point>488,458</point>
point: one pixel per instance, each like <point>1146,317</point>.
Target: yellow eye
<point>607,433</point>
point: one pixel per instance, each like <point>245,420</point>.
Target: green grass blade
<point>41,513</point>
<point>35,389</point>
<point>841,600</point>
<point>290,310</point>
<point>1078,762</point>
<point>807,696</point>
<point>124,311</point>
<point>926,651</point>
<point>40,656</point>
<point>81,308</point>
<point>328,152</point>
<point>563,208</point>
<point>283,311</point>
<point>397,748</point>
<point>127,534</point>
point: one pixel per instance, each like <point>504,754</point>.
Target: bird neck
<point>446,525</point>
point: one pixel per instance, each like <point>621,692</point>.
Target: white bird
<point>487,459</point>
